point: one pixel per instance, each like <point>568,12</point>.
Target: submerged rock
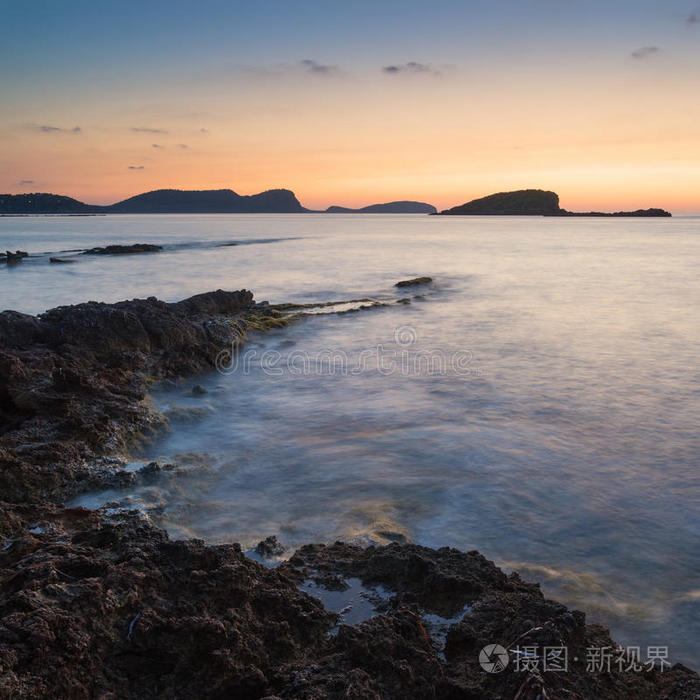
<point>15,257</point>
<point>124,249</point>
<point>62,260</point>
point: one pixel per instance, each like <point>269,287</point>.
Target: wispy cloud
<point>147,130</point>
<point>316,68</point>
<point>25,182</point>
<point>182,145</point>
<point>47,129</point>
<point>157,145</point>
<point>411,68</point>
<point>136,167</point>
<point>203,131</point>
<point>645,52</point>
<point>692,19</point>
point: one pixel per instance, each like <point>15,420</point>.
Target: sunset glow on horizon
<point>354,106</point>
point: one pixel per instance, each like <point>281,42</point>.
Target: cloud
<point>692,19</point>
<point>157,145</point>
<point>147,130</point>
<point>25,182</point>
<point>203,131</point>
<point>411,68</point>
<point>136,167</point>
<point>46,129</point>
<point>316,68</point>
<point>645,52</point>
<point>182,145</point>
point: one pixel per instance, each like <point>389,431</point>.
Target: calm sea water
<point>540,403</point>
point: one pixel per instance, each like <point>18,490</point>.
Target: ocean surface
<point>539,401</point>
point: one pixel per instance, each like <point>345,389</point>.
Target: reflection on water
<point>566,445</point>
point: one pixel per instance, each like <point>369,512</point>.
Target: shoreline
<point>100,603</point>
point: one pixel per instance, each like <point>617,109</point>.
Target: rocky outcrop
<point>96,605</point>
<point>74,381</point>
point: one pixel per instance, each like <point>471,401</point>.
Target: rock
<point>124,249</point>
<point>414,281</point>
<point>199,390</point>
<point>73,380</point>
<point>94,605</point>
<point>269,547</point>
<point>62,260</point>
<point>12,258</point>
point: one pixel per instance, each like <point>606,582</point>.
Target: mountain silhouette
<point>158,202</point>
<point>388,208</point>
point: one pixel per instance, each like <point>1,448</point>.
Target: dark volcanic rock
<point>124,249</point>
<point>73,381</point>
<point>107,606</point>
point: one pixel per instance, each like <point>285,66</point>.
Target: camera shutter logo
<point>493,658</point>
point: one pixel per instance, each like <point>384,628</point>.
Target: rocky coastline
<point>95,603</point>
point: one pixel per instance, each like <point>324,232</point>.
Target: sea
<point>538,401</point>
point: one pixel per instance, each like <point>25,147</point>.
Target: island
<point>531,203</point>
<point>169,201</point>
<point>404,207</point>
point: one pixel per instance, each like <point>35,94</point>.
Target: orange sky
<point>608,130</point>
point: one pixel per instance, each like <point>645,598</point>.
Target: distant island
<point>159,202</point>
<point>388,208</point>
<point>531,203</point>
<point>281,201</point>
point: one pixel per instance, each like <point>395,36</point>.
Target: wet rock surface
<point>103,604</point>
<point>98,605</point>
<point>74,381</point>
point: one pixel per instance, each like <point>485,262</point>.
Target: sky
<point>354,103</point>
